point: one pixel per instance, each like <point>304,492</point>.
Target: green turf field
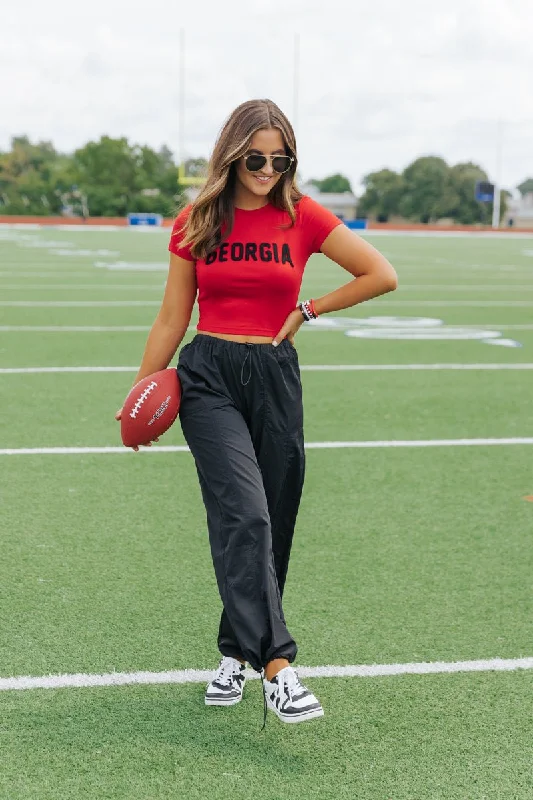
<point>403,554</point>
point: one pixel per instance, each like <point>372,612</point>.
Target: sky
<point>378,83</point>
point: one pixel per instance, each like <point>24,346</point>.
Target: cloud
<point>379,84</point>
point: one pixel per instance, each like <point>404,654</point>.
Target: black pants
<point>241,415</point>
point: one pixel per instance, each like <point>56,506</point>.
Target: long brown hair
<point>212,213</point>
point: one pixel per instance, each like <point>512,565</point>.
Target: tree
<point>105,171</point>
<point>26,177</point>
<point>332,183</point>
<point>468,210</point>
<point>115,176</point>
<point>119,178</point>
<point>526,186</point>
<point>383,193</point>
<point>429,192</point>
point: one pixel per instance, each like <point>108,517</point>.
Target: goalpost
<point>183,178</point>
<point>195,180</point>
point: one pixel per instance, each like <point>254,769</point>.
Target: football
<point>150,408</point>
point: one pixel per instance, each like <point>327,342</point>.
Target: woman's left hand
<point>290,328</point>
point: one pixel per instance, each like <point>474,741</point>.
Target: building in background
<point>342,204</point>
<point>519,211</point>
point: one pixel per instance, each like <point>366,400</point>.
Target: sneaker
<point>228,682</point>
<point>289,699</point>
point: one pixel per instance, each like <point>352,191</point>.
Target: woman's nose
<point>267,169</point>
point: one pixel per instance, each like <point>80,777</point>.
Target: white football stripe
<point>62,451</point>
<point>185,676</point>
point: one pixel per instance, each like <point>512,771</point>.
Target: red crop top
<point>250,283</point>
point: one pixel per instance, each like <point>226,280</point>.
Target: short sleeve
<point>177,236</point>
<point>317,222</point>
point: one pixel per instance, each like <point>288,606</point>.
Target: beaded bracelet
<point>307,307</point>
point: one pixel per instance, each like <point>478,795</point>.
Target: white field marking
<point>153,229</point>
<point>525,327</point>
<point>66,273</point>
<point>501,287</point>
<point>73,328</point>
<point>77,303</point>
<point>77,451</point>
<point>455,303</point>
<point>183,676</point>
<point>303,368</point>
<point>416,367</point>
<point>448,234</point>
<point>140,303</point>
<point>41,370</point>
<point>132,328</point>
<point>74,286</point>
<point>133,266</point>
<point>24,226</point>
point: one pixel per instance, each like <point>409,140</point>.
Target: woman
<point>242,247</point>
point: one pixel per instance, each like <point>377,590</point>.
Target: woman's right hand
<point>118,417</point>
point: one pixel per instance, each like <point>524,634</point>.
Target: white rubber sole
<point>294,718</point>
<point>217,702</point>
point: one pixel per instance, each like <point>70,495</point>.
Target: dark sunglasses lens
<point>281,163</point>
<point>255,162</point>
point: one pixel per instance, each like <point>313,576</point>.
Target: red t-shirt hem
<point>231,330</point>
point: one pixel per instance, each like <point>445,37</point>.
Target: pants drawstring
<point>247,359</point>
<point>264,700</point>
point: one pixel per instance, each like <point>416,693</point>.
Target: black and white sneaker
<point>228,682</point>
<point>289,699</point>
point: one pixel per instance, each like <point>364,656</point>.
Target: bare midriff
<point>237,337</point>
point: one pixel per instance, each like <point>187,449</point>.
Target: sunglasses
<point>254,162</point>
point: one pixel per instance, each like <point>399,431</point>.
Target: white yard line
<point>401,367</point>
<point>40,370</point>
<point>78,303</point>
<point>186,676</point>
<point>430,287</point>
<point>462,303</point>
<point>303,368</point>
<point>447,234</point>
<point>135,303</point>
<point>65,273</point>
<point>501,287</point>
<point>74,328</point>
<point>25,226</point>
<point>525,327</point>
<point>64,451</point>
<point>83,286</point>
<point>151,230</point>
<point>128,328</point>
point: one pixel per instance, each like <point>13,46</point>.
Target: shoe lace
<point>289,683</point>
<point>225,672</point>
<point>264,700</point>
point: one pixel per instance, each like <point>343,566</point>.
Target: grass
<point>400,554</point>
<point>383,738</point>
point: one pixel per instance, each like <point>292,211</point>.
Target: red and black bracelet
<point>307,307</point>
